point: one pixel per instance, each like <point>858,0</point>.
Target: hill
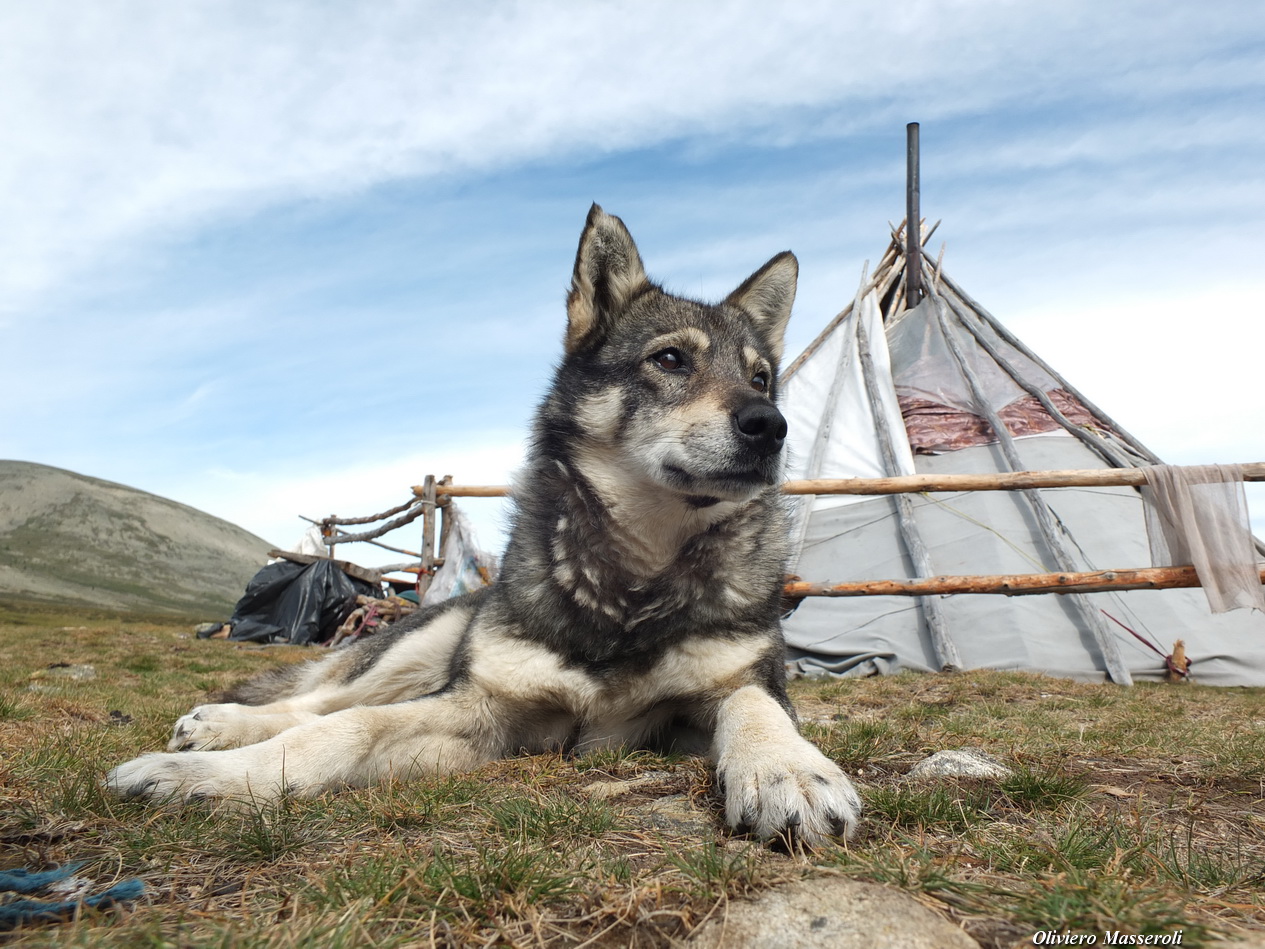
<point>70,538</point>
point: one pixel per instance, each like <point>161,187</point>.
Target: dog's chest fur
<point>590,570</point>
<point>613,568</point>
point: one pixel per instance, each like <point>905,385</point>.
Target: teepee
<point>926,381</point>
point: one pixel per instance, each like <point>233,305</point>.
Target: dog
<point>639,597</point>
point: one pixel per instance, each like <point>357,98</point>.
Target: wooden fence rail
<point>910,484</point>
<point>1021,584</point>
<point>1147,578</point>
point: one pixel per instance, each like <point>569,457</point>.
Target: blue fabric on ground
<point>24,881</point>
<point>26,911</point>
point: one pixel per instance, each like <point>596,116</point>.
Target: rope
<point>1168,660</point>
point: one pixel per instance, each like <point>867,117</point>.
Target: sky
<point>286,259</point>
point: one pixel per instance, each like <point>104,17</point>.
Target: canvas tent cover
<point>918,393</point>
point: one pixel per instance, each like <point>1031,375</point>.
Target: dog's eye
<point>669,360</point>
<point>760,382</point>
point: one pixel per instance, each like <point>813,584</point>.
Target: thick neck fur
<point>646,525</point>
<point>631,552</point>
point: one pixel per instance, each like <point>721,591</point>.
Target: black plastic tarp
<point>296,603</point>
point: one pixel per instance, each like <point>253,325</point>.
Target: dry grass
<point>1131,809</point>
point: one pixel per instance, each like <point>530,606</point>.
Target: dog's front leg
<point>230,725</point>
<point>776,783</point>
<point>350,748</point>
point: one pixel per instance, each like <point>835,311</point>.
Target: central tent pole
<point>913,220</point>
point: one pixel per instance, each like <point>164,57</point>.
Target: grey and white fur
<point>638,602</point>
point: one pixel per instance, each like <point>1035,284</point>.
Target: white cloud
<point>356,481</point>
<point>1148,350</point>
<point>1166,369</point>
<point>132,124</point>
<point>131,119</point>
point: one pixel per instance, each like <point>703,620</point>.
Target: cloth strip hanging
<point>1198,515</point>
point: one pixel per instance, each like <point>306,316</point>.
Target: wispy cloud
<point>271,502</point>
<point>291,238</point>
<point>128,119</point>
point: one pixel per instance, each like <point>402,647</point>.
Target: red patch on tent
<point>934,428</point>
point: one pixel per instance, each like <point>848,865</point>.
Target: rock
<point>830,913</point>
<point>677,815</point>
<point>611,788</point>
<point>66,670</point>
<point>959,763</point>
<point>52,680</point>
<point>60,673</point>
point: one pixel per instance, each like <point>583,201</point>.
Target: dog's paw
<point>210,727</point>
<point>157,777</point>
<point>788,791</point>
<point>189,776</point>
<point>203,729</point>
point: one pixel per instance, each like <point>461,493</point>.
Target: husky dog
<point>638,601</point>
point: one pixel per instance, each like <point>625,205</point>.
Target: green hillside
<point>70,538</point>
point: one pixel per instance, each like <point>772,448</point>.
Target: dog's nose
<point>762,425</point>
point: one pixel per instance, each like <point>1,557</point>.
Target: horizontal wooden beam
<point>467,490</point>
<point>910,484</point>
<point>1002,481</point>
<point>1023,584</point>
<point>1146,578</point>
<point>349,568</point>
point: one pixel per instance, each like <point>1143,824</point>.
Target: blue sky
<point>288,258</point>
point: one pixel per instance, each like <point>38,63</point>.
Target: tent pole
<point>937,627</point>
<point>1046,521</point>
<point>999,328</point>
<point>1013,340</point>
<point>803,510</point>
<point>913,219</point>
<point>879,276</point>
<point>1095,443</point>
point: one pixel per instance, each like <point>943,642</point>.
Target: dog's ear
<point>767,296</point>
<point>608,272</point>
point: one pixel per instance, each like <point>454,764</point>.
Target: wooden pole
<point>1000,481</point>
<point>343,540</point>
<point>465,490</point>
<point>1092,440</point>
<point>937,625</point>
<point>1000,329</point>
<point>1179,668</point>
<point>1048,525</point>
<point>915,484</point>
<point>444,503</point>
<point>913,218</point>
<point>881,281</point>
<point>428,536</point>
<point>337,521</point>
<point>1021,584</point>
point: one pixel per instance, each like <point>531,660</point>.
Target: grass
<point>1141,810</point>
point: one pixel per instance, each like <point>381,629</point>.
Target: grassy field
<point>1133,809</point>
